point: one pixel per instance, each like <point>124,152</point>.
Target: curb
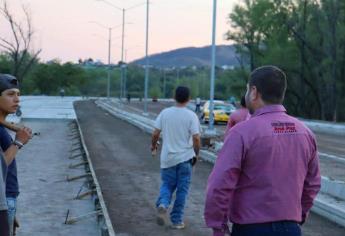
<point>109,230</point>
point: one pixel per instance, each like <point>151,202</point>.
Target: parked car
<point>221,111</point>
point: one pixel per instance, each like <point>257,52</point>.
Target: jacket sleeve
<point>223,180</point>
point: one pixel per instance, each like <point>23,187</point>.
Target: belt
<point>266,223</point>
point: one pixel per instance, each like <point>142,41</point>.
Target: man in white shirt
<point>180,129</point>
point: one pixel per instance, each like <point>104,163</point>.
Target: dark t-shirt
<point>12,189</point>
<point>3,166</point>
<point>3,169</point>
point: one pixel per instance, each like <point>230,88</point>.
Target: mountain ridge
<point>192,56</point>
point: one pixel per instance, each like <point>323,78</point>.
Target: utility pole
<point>109,52</point>
<point>146,58</point>
<point>164,84</point>
<point>211,130</point>
<point>109,66</point>
<point>122,51</point>
<point>123,10</point>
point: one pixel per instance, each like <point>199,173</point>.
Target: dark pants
<point>280,228</point>
<point>197,108</point>
<point>4,231</point>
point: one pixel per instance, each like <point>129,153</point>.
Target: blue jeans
<point>12,209</point>
<point>281,228</point>
<point>175,178</point>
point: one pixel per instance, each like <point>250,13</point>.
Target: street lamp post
<point>146,57</point>
<point>122,51</point>
<point>125,65</point>
<point>211,130</point>
<point>125,81</point>
<point>123,35</point>
<point>164,84</point>
<point>109,53</point>
<point>109,66</point>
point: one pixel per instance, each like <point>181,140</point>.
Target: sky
<point>64,28</point>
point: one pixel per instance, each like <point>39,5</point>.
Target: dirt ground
<point>129,178</point>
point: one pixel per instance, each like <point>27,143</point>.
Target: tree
<point>306,38</point>
<point>19,46</point>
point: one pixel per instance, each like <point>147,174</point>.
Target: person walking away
<point>197,105</point>
<point>267,174</point>
<point>62,93</point>
<point>180,129</point>
<point>238,116</point>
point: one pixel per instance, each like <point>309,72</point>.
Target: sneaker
<point>178,226</point>
<point>162,217</point>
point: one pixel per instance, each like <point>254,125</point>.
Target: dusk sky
<point>63,28</point>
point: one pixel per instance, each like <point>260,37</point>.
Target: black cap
<point>8,82</point>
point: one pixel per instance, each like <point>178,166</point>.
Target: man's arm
<point>196,144</point>
<point>23,136</point>
<point>156,132</point>
<point>222,183</point>
<point>312,185</point>
<point>196,147</point>
<point>155,138</point>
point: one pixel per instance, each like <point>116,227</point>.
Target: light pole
<point>122,47</point>
<point>164,84</point>
<point>109,52</point>
<point>123,10</point>
<point>211,130</point>
<point>146,56</point>
<point>125,70</point>
<point>109,67</point>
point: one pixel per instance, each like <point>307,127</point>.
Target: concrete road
<point>129,178</point>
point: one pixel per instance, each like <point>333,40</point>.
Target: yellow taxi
<point>221,111</point>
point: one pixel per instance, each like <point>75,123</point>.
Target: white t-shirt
<point>178,125</point>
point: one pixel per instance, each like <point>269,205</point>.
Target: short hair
<point>243,101</point>
<point>182,94</point>
<point>270,82</point>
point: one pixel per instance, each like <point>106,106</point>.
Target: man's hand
<point>155,147</point>
<point>24,135</point>
<point>196,144</point>
<point>154,141</point>
<point>222,232</point>
<point>195,160</point>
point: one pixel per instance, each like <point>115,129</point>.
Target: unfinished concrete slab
<point>46,196</point>
<point>48,107</point>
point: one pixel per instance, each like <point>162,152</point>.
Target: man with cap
<point>9,102</point>
<point>267,174</point>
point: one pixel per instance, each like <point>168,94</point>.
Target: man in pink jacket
<point>267,174</point>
